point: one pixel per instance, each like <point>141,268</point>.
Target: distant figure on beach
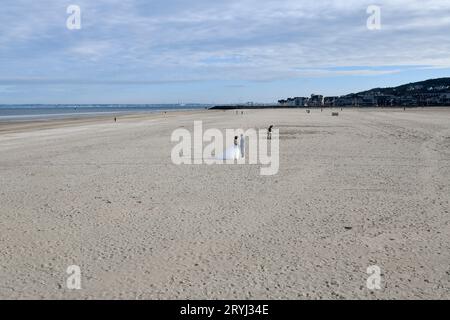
<point>242,146</point>
<point>115,119</point>
<point>269,133</point>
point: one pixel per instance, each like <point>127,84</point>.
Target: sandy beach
<point>369,187</point>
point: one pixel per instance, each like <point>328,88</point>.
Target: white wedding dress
<point>232,153</point>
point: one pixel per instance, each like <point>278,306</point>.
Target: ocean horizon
<point>28,112</point>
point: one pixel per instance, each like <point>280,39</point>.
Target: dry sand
<point>370,187</point>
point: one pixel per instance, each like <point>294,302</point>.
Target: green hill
<point>427,86</point>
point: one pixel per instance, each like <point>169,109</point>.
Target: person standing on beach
<point>115,119</point>
<point>242,145</point>
<point>269,133</point>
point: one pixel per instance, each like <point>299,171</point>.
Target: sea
<point>9,113</point>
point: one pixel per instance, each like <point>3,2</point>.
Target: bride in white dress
<point>235,152</point>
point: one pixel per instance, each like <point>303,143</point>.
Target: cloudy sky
<point>170,51</point>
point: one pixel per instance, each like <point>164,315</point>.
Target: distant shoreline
<point>54,112</point>
<point>53,123</point>
<point>24,125</point>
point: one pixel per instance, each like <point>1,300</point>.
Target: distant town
<point>372,99</point>
<point>429,93</point>
<point>434,92</point>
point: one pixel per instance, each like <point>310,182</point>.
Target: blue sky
<point>170,51</point>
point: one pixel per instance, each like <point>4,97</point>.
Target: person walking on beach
<point>242,145</point>
<point>115,119</point>
<point>269,133</point>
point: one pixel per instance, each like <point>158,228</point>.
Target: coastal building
<point>294,102</point>
<point>368,100</point>
<point>384,100</point>
<point>430,99</point>
<point>316,100</point>
<point>445,98</point>
<point>330,101</point>
<point>344,101</point>
<point>406,101</point>
<point>291,102</point>
<point>357,101</point>
<point>301,101</point>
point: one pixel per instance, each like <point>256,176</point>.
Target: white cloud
<point>201,39</point>
<point>92,50</point>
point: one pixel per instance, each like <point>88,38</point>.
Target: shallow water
<point>35,112</point>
